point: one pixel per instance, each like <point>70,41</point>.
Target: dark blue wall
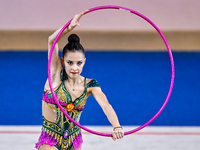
<point>136,84</point>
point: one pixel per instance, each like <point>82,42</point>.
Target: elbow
<point>50,40</point>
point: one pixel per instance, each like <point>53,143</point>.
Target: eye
<point>70,62</point>
<point>79,63</point>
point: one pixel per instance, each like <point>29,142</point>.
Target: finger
<point>77,24</point>
<point>84,12</point>
<point>122,134</point>
<point>79,16</point>
<point>113,136</point>
<point>117,134</point>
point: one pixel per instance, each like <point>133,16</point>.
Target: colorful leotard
<point>63,133</point>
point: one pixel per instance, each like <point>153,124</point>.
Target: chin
<point>74,76</point>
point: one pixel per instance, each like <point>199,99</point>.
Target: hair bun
<point>73,38</point>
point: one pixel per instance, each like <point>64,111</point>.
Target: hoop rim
<point>171,60</point>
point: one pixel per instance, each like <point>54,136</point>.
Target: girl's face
<point>73,62</point>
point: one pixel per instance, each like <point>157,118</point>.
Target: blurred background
<point>124,53</point>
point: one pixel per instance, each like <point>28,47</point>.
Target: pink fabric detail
<point>52,101</point>
<point>79,108</point>
<point>45,139</point>
<point>77,141</point>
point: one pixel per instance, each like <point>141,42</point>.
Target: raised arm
<point>56,65</point>
<point>109,112</point>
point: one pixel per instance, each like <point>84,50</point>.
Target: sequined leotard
<point>63,133</point>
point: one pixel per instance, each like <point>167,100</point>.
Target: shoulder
<point>55,88</point>
<point>92,83</point>
<point>93,87</point>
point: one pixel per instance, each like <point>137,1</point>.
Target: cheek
<point>67,66</point>
<point>80,67</point>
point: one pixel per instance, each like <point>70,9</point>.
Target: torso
<point>69,96</point>
<point>55,123</point>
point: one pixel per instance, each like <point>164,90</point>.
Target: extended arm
<point>109,112</point>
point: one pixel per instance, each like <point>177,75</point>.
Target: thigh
<point>47,147</point>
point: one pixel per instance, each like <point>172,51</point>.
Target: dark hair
<point>73,45</point>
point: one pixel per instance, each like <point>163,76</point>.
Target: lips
<point>74,73</point>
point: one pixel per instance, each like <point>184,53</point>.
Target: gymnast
<point>72,90</point>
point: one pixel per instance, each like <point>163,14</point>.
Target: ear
<point>84,61</point>
<point>62,60</point>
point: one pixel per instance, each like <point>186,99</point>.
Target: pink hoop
<point>171,60</point>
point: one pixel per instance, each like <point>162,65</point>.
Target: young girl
<point>72,90</point>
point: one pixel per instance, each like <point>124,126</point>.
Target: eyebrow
<point>71,60</point>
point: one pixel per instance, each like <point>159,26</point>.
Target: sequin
<point>66,134</point>
<point>63,133</point>
<point>70,107</point>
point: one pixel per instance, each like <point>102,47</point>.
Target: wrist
<point>117,127</point>
<point>70,27</point>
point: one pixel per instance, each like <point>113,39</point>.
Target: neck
<point>73,81</point>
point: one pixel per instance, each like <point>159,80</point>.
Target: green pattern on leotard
<point>62,124</point>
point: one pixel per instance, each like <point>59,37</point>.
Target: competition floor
<point>149,138</point>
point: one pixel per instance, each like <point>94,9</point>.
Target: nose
<point>74,67</point>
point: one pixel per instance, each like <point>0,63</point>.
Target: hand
<point>75,20</point>
<point>118,133</point>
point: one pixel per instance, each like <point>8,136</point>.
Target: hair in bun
<point>73,38</point>
<point>73,45</point>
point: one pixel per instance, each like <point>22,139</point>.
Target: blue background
<point>135,83</point>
